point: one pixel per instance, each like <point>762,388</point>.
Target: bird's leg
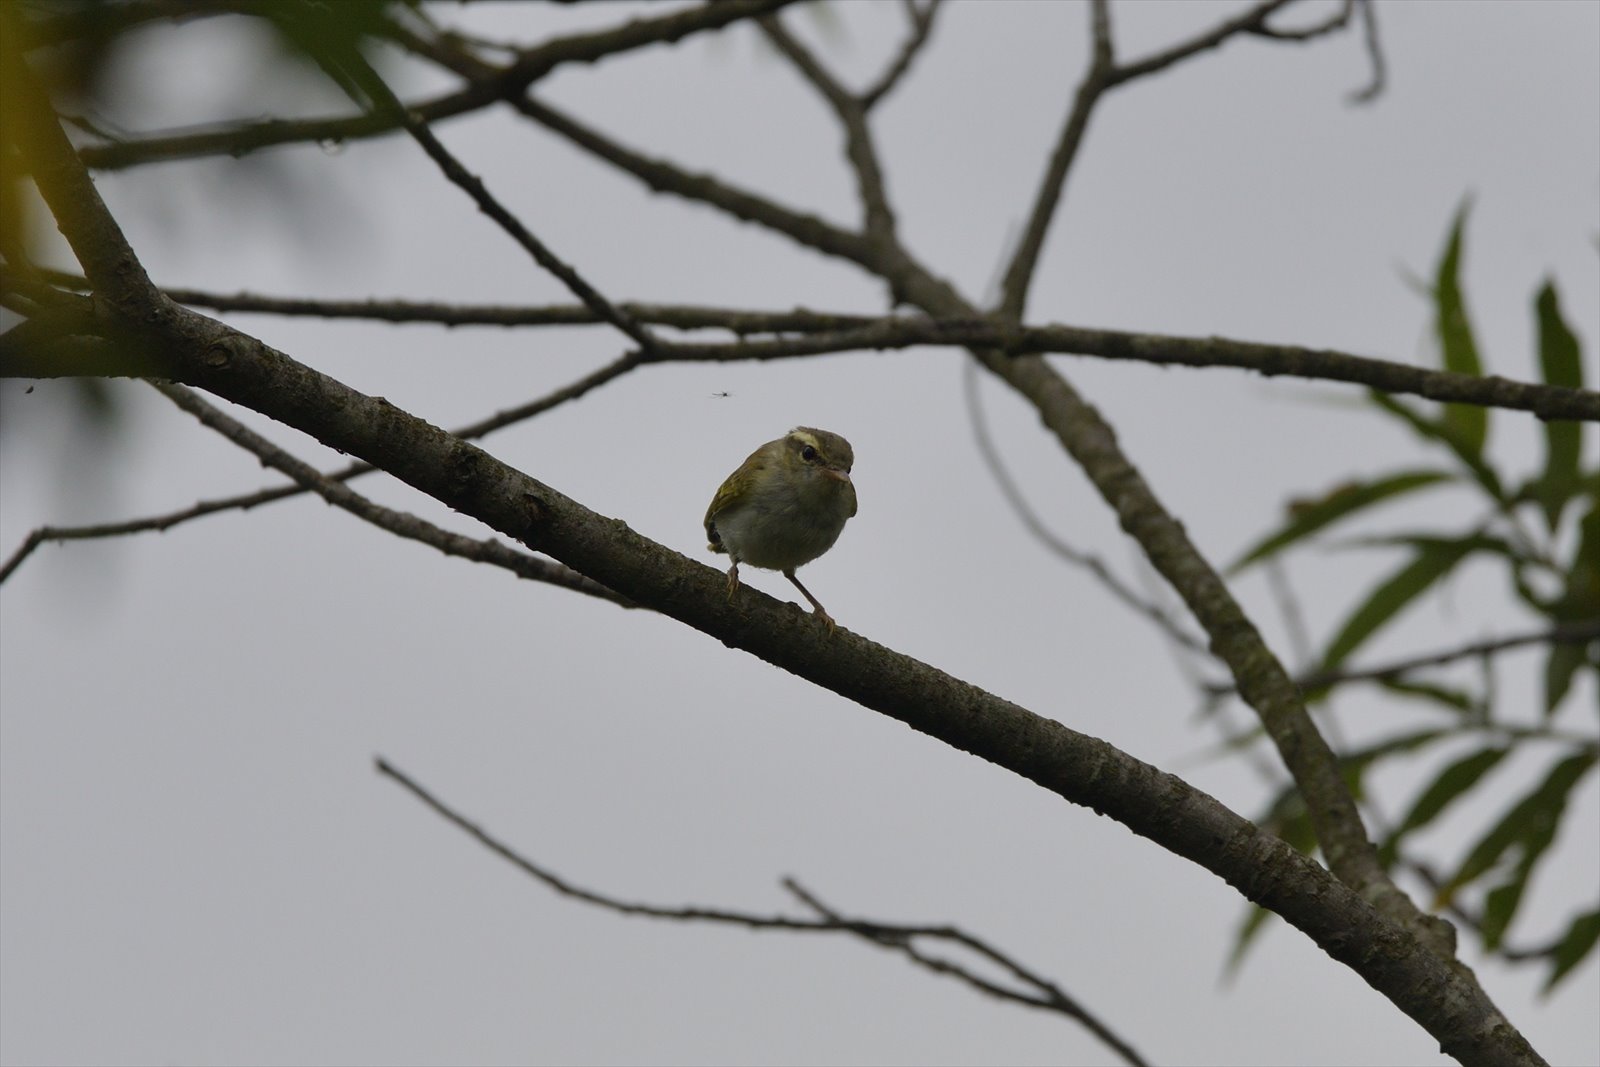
<point>733,579</point>
<point>815,603</point>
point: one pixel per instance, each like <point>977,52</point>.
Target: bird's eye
<point>808,453</point>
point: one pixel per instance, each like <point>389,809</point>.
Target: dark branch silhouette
<point>1035,992</point>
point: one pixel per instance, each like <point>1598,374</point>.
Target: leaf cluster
<point>1543,531</point>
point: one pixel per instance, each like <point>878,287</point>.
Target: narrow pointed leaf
<point>1428,565</point>
<point>1455,699</point>
<point>1441,431</point>
<point>1306,518</point>
<point>1457,346</point>
<point>1577,943</point>
<point>1255,921</point>
<point>1561,364</point>
<point>1449,786</point>
<point>1559,668</point>
<point>1500,907</point>
<point>1529,825</point>
<point>1581,598</point>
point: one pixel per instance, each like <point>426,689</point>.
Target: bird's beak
<point>835,472</point>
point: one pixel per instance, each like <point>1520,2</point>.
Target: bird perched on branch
<point>785,506</point>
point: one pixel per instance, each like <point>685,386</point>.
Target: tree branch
<point>383,101</point>
<point>877,217</point>
<point>243,502</point>
<point>1025,260</point>
<point>399,523</point>
<point>830,332</point>
<point>920,20</point>
<point>663,177</point>
<point>494,84</point>
<point>1049,538</point>
<point>1252,21</point>
<point>1046,994</point>
<point>1566,633</point>
<point>1440,995</point>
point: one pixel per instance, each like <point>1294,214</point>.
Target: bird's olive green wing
<point>734,486</point>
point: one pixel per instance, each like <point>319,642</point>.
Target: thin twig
<point>920,20</point>
<point>1545,401</point>
<point>1369,26</point>
<point>663,177</point>
<point>877,217</point>
<point>401,523</point>
<point>828,333</point>
<point>493,85</point>
<point>1105,73</point>
<point>1252,21</point>
<point>1566,633</point>
<point>1048,537</point>
<point>1048,996</point>
<point>384,100</point>
<point>1294,617</point>
<point>246,501</point>
<point>1096,80</point>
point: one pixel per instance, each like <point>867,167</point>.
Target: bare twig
<point>1105,73</point>
<point>1566,633</point>
<point>1096,80</point>
<point>829,332</point>
<point>832,332</point>
<point>1251,21</point>
<point>664,177</point>
<point>1048,537</point>
<point>384,101</point>
<point>494,84</point>
<point>400,523</point>
<point>920,19</point>
<point>1045,994</point>
<point>1546,401</point>
<point>1294,618</point>
<point>246,501</point>
<point>878,218</point>
<point>1369,25</point>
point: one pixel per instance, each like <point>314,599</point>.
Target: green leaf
<point>1454,332</point>
<point>1559,668</point>
<point>1529,827</point>
<point>1255,921</point>
<point>1575,944</point>
<point>1581,597</point>
<point>1449,786</point>
<point>1499,908</point>
<point>1455,699</point>
<point>1561,364</point>
<point>1307,517</point>
<point>1430,563</point>
<point>1441,431</point>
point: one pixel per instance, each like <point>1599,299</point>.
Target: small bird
<point>785,506</point>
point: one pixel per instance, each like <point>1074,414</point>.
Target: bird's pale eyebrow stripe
<point>805,438</point>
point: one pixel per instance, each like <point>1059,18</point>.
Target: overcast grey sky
<point>197,862</point>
